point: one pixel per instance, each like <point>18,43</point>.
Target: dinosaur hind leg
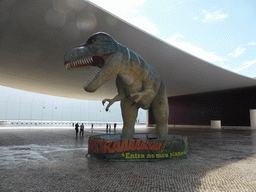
<point>160,109</point>
<point>129,114</point>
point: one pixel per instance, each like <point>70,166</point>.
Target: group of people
<point>108,127</point>
<point>81,129</point>
<point>81,133</point>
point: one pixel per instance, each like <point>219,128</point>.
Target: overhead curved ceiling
<point>34,36</point>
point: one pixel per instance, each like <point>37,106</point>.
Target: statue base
<point>141,148</point>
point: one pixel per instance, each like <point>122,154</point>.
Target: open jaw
<point>94,61</point>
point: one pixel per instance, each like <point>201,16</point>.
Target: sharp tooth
<point>86,83</point>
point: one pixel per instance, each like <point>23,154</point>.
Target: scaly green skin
<point>138,84</point>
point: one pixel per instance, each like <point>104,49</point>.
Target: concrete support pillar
<point>216,124</point>
<point>253,118</point>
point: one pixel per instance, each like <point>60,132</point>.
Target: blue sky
<point>220,32</point>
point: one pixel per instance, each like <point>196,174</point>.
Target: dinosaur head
<point>98,51</point>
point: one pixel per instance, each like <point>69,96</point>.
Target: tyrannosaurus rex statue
<point>138,84</point>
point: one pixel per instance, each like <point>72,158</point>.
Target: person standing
<point>114,126</point>
<point>82,129</point>
<point>76,128</point>
<point>107,128</point>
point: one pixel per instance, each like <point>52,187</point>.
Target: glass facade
<point>21,105</point>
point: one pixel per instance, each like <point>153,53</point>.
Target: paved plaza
<point>53,159</point>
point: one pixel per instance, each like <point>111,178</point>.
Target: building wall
<point>22,105</point>
<point>232,107</point>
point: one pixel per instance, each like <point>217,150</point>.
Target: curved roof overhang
<point>32,51</point>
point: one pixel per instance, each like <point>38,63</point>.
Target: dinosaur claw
<point>133,103</point>
<point>106,109</point>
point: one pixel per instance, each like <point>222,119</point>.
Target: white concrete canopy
<point>35,35</point>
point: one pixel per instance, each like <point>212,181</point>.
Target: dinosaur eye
<point>91,41</point>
